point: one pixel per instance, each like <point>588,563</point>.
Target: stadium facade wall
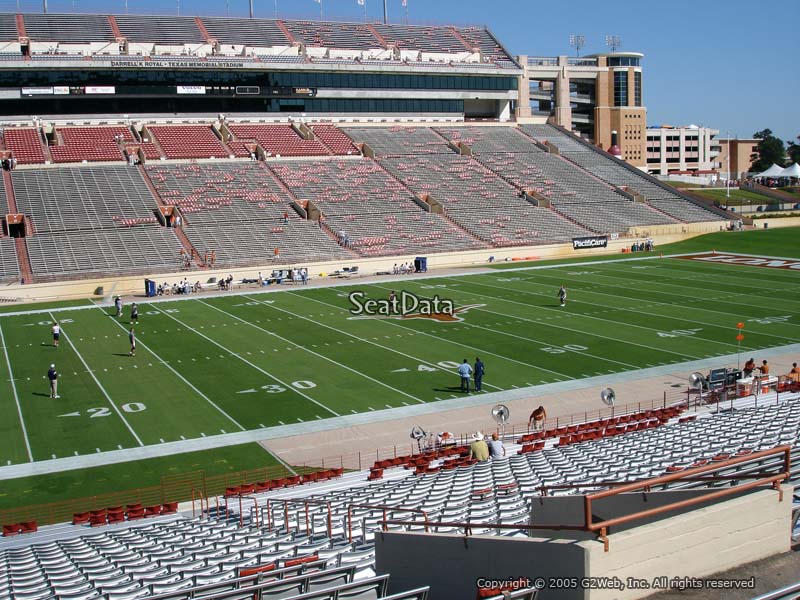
<point>697,543</point>
<point>134,285</point>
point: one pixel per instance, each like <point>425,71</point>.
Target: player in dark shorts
<point>132,338</point>
<point>134,313</point>
<point>562,296</point>
<point>56,333</point>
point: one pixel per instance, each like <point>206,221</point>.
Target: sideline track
<point>369,417</point>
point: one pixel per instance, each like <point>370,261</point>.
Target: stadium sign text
<point>404,304</point>
<point>748,261</point>
<point>594,241</point>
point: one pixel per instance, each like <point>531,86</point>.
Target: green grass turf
<point>737,197</point>
<point>25,307</point>
<point>82,483</point>
<point>213,365</point>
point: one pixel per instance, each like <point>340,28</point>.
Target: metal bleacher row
<point>377,213</point>
<point>607,169</point>
<point>238,211</point>
<point>236,207</point>
<point>180,37</point>
<point>283,541</point>
<point>480,202</point>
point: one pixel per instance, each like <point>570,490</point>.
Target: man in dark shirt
<point>478,373</point>
<point>52,375</point>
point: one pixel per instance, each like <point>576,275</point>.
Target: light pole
<point>728,160</point>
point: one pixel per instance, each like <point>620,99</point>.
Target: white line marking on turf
<point>641,312</point>
<point>187,382</point>
<point>16,397</point>
<point>317,354</point>
<point>360,339</point>
<point>256,367</point>
<point>97,381</point>
<point>682,355</point>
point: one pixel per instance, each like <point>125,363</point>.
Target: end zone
<point>744,260</point>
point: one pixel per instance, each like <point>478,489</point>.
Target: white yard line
<point>244,360</point>
<point>97,381</point>
<point>317,354</point>
<point>181,377</point>
<point>550,324</point>
<point>453,342</point>
<point>16,396</point>
<point>685,288</point>
<point>364,340</point>
<point>733,316</point>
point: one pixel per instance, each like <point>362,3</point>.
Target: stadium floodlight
<point>577,41</point>
<point>613,42</point>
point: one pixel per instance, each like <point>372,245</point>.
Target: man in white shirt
<point>464,370</point>
<point>56,334</point>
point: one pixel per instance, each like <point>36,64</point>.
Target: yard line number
<point>564,348</point>
<point>678,332</point>
<point>104,411</point>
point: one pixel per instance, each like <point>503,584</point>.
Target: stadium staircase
<point>179,233</point>
<point>23,258</point>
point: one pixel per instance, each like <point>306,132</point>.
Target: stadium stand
<point>210,194</point>
<point>399,141</point>
<point>92,220</point>
<point>25,144</point>
<point>188,141</point>
<point>427,39</point>
<point>103,252</point>
<point>279,140</point>
<point>68,28</point>
<point>82,198</point>
<point>657,194</point>
<point>285,540</point>
<point>8,27</point>
<point>9,267</point>
<point>376,212</point>
<point>334,139</point>
<point>485,140</point>
<point>353,36</point>
<point>250,32</point>
<point>173,30</point>
<point>237,211</point>
<point>90,144</point>
<point>479,201</point>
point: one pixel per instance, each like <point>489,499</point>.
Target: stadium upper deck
<point>83,64</point>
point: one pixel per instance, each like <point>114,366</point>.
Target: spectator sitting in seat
<point>478,449</point>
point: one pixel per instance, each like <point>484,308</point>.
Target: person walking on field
<point>52,375</point>
<point>56,333</point>
<point>464,370</point>
<point>562,295</point>
<point>132,338</point>
<point>134,313</point>
<point>118,305</point>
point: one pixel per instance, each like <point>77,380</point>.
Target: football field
<point>212,365</point>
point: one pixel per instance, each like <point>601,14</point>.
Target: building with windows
<point>104,64</point>
<point>591,95</point>
<point>689,150</point>
<point>735,156</point>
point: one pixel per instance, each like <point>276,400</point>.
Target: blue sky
<point>716,63</point>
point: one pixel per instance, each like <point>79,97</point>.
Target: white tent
<point>793,171</point>
<point>773,171</point>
